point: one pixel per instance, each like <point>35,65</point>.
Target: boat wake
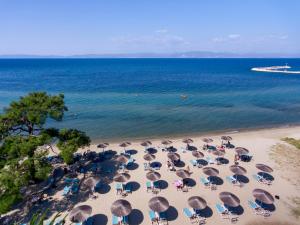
<point>276,69</point>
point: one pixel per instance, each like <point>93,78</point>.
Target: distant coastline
<point>275,69</point>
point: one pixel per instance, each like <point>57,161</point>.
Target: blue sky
<point>65,27</point>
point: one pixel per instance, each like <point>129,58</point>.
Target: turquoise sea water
<point>132,98</point>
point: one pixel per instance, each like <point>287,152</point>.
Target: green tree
<point>23,139</point>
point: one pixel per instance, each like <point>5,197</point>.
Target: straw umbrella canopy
<point>121,177</point>
<point>207,140</point>
<point>229,199</point>
<point>210,171</point>
<point>166,142</point>
<point>149,157</point>
<point>226,138</point>
<point>263,196</point>
<point>122,159</point>
<point>121,208</point>
<point>153,176</point>
<point>173,156</point>
<point>80,213</point>
<point>91,182</point>
<point>197,154</point>
<point>183,173</point>
<point>158,204</point>
<point>241,151</point>
<point>125,144</point>
<point>187,141</point>
<point>238,170</point>
<point>103,145</point>
<point>264,168</point>
<point>218,153</point>
<point>146,143</point>
<point>197,202</point>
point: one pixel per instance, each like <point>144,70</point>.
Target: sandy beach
<point>262,145</point>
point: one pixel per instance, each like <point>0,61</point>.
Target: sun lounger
<point>156,184</point>
<point>255,207</point>
<point>188,214</point>
<point>75,188</point>
<point>258,178</point>
<point>146,166</point>
<point>231,179</point>
<point>205,181</point>
<point>130,162</point>
<point>115,220</point>
<point>66,190</point>
<point>183,150</point>
<point>222,211</point>
<point>210,160</point>
<point>193,162</point>
<point>148,185</point>
<point>152,216</point>
<point>118,187</point>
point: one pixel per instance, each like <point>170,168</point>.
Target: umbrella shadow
<point>152,150</point>
<point>134,185</point>
<point>229,146</point>
<point>269,207</point>
<point>172,213</point>
<point>202,162</point>
<point>133,166</point>
<point>216,180</point>
<point>206,212</point>
<point>109,154</point>
<point>192,148</point>
<point>155,164</point>
<point>242,179</point>
<point>239,210</point>
<point>267,176</point>
<point>136,217</point>
<point>100,219</point>
<point>172,149</point>
<point>163,184</point>
<point>180,164</point>
<point>223,160</point>
<point>102,188</point>
<point>132,151</point>
<point>189,182</point>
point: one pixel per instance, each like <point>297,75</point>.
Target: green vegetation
<point>22,141</point>
<point>292,141</point>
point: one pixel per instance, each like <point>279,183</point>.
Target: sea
<point>126,99</point>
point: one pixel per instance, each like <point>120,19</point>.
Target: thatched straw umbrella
<point>197,202</point>
<point>238,170</point>
<point>91,182</point>
<point>166,142</point>
<point>124,145</point>
<point>173,156</point>
<point>263,196</point>
<point>149,157</point>
<point>103,146</point>
<point>121,208</point>
<point>264,168</point>
<point>183,173</point>
<point>229,199</point>
<point>187,141</point>
<point>210,171</point>
<point>122,159</point>
<point>241,151</point>
<point>207,140</point>
<point>80,213</point>
<point>153,176</point>
<point>197,154</point>
<point>121,177</point>
<point>158,204</point>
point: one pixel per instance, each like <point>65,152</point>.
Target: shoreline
<point>95,141</point>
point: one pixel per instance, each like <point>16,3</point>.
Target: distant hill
<point>192,54</point>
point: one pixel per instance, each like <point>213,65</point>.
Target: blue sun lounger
<point>204,181</point>
<point>210,160</point>
<point>148,185</point>
<point>152,216</point>
<point>125,219</point>
<point>193,162</point>
<point>66,190</point>
<point>162,216</point>
<point>128,188</point>
<point>115,220</point>
<point>188,213</point>
<point>221,209</point>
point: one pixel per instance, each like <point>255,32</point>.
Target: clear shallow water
<point>131,98</point>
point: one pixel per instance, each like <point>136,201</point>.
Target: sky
<point>71,27</point>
